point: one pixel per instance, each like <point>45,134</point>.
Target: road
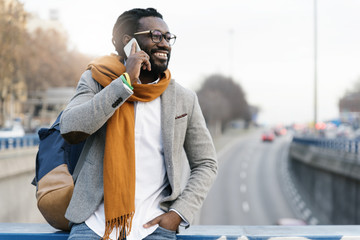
<point>251,183</point>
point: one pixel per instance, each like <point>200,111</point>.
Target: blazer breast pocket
<point>182,118</point>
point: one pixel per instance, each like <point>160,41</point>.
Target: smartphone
<point>127,48</point>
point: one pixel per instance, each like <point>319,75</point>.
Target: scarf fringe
<point>122,225</point>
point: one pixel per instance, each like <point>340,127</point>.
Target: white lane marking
<point>245,206</point>
<point>307,213</point>
<point>297,198</point>
<point>313,221</point>
<point>243,188</point>
<point>301,205</point>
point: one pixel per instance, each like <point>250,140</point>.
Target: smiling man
<point>138,122</point>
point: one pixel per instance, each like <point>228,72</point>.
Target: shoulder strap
<point>82,157</point>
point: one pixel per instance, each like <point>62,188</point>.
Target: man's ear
<point>126,38</point>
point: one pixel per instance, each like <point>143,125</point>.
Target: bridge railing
<point>340,145</point>
<point>28,140</point>
<point>22,231</point>
<point>327,172</point>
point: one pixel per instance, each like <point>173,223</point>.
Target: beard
<point>157,67</point>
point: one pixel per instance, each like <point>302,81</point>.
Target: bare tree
<point>32,61</point>
<point>215,108</point>
<point>12,30</point>
<point>221,99</point>
<point>49,62</point>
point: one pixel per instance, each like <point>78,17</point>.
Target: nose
<point>164,43</point>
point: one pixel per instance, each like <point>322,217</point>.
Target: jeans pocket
<point>162,234</point>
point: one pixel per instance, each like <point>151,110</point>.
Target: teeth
<point>161,54</point>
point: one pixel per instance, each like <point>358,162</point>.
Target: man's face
<point>159,53</point>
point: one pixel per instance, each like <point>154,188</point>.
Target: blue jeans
<point>83,232</point>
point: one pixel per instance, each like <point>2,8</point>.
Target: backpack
<point>57,167</point>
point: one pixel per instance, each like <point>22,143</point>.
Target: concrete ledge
<point>17,161</point>
<point>345,164</point>
<point>24,231</point>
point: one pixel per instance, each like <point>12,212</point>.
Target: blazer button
<point>117,102</point>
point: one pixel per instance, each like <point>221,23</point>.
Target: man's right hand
<point>135,62</point>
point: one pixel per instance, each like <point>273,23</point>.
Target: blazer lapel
<point>167,126</point>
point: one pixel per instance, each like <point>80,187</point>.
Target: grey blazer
<point>183,129</point>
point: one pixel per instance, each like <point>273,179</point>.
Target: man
<point>138,121</point>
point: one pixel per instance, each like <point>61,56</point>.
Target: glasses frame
<point>163,36</point>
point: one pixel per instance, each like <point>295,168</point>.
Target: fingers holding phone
<point>136,60</point>
<point>136,49</point>
<point>128,49</point>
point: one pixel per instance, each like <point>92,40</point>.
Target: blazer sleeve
<point>201,155</point>
<point>91,107</point>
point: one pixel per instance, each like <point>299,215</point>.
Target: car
<point>345,131</point>
<point>16,130</point>
<point>268,136</point>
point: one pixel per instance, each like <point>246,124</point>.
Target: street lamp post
<point>315,62</point>
<point>231,52</point>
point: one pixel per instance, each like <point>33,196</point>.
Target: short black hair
<point>128,23</point>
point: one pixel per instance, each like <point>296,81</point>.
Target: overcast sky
<point>267,46</point>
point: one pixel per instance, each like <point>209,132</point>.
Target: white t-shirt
<point>151,178</point>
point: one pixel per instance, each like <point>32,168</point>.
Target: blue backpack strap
<point>43,133</point>
<point>51,151</point>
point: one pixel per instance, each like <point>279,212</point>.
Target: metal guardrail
<point>23,231</point>
<point>341,145</point>
<point>28,140</point>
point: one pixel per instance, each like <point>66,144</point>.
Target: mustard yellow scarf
<point>119,157</point>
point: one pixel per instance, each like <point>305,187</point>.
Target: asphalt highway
<point>251,185</point>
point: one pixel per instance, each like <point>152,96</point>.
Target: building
<point>349,108</point>
<point>34,22</point>
<point>45,106</point>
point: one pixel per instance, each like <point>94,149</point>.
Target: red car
<point>268,136</point>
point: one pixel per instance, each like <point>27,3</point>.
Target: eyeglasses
<point>157,36</point>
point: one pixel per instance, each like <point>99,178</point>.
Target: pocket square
<point>181,116</point>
